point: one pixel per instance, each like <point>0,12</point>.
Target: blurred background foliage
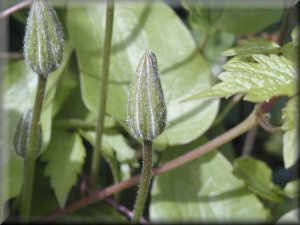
<point>237,183</point>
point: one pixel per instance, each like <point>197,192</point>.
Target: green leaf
<point>115,150</point>
<point>258,178</point>
<point>106,151</point>
<point>136,28</point>
<point>279,209</point>
<point>19,93</point>
<point>215,44</point>
<point>291,217</point>
<point>290,51</point>
<point>68,82</point>
<point>209,16</point>
<point>65,157</point>
<point>14,178</point>
<point>274,145</point>
<point>96,213</point>
<point>43,198</point>
<point>253,46</point>
<point>295,34</point>
<point>261,80</point>
<point>291,189</point>
<point>290,137</point>
<point>203,190</point>
<point>124,152</point>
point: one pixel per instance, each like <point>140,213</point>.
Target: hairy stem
<point>30,156</point>
<point>103,93</point>
<point>145,181</point>
<point>122,209</point>
<point>238,130</point>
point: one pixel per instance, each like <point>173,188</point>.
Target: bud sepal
<point>146,109</point>
<point>43,42</point>
<point>22,134</point>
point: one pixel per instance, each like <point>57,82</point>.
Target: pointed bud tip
<point>43,42</point>
<point>146,110</point>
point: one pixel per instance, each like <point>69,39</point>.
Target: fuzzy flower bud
<point>21,138</point>
<point>43,43</point>
<point>146,109</point>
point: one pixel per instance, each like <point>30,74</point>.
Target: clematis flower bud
<point>21,138</point>
<point>43,43</point>
<point>146,109</point>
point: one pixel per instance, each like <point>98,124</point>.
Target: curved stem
<point>103,92</point>
<point>30,156</point>
<point>145,181</point>
<point>14,8</point>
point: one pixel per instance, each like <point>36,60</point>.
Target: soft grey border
<point>3,172</point>
<point>61,3</point>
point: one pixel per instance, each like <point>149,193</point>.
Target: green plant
<point>146,116</point>
<point>21,138</point>
<point>103,92</point>
<point>43,50</point>
<point>204,167</point>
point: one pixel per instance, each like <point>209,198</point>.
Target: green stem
<point>30,156</point>
<point>103,92</point>
<point>145,181</point>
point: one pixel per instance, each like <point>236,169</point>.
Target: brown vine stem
<point>14,8</point>
<point>238,130</point>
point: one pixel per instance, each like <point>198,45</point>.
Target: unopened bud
<point>43,43</point>
<point>146,109</point>
<point>22,134</point>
